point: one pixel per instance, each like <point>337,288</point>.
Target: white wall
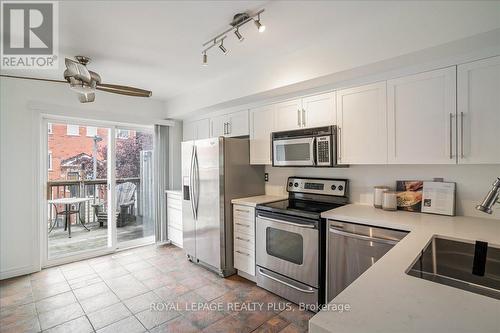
<point>19,152</point>
<point>473,181</point>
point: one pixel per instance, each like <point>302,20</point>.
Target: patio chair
<point>125,201</point>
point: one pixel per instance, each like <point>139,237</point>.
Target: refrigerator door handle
<point>197,182</point>
<point>191,187</point>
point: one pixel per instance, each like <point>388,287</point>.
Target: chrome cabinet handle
<point>229,128</point>
<point>247,254</point>
<point>243,225</point>
<point>339,136</point>
<point>461,134</point>
<point>225,128</point>
<point>363,237</point>
<point>451,136</point>
<point>303,117</point>
<point>308,291</point>
<point>298,118</point>
<point>308,226</point>
<point>242,239</point>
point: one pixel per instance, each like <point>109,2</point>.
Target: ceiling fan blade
<point>77,70</point>
<point>86,98</point>
<point>32,78</point>
<point>124,90</point>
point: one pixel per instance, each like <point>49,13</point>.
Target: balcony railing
<point>95,189</point>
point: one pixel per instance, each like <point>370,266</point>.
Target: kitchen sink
<point>460,264</point>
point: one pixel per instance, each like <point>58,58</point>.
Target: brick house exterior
<point>66,142</point>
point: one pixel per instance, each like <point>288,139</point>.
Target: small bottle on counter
<point>390,200</point>
<point>378,192</point>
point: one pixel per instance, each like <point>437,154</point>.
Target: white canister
<point>378,192</point>
<point>390,201</point>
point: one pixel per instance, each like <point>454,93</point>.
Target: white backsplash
<point>473,181</point>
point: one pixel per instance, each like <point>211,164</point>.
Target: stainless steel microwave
<point>313,147</point>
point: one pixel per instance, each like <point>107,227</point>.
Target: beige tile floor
<point>114,293</point>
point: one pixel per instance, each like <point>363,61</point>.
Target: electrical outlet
<point>266,177</point>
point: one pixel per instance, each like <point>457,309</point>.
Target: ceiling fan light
<point>238,35</point>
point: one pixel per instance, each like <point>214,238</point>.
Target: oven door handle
<point>308,291</point>
<point>287,223</point>
<point>363,237</point>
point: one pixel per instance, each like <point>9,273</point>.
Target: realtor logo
<point>29,35</point>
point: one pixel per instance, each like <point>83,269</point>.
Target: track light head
<point>205,59</point>
<point>238,35</point>
<point>222,48</point>
<point>259,25</point>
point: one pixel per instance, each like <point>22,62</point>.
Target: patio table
<point>67,202</point>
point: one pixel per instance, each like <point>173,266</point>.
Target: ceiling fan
<point>85,82</point>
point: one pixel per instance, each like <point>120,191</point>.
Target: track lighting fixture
<point>205,59</point>
<point>239,20</point>
<point>222,48</point>
<point>238,35</point>
<point>259,25</point>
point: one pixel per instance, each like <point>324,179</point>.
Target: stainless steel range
<point>291,238</point>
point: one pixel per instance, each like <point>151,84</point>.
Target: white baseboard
<point>18,271</point>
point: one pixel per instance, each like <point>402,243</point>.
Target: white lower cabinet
<point>174,218</point>
<point>244,238</point>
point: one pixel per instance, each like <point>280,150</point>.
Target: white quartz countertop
<point>257,200</point>
<point>386,299</point>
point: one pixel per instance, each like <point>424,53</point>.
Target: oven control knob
<point>290,184</point>
<point>341,187</point>
<point>296,184</point>
<point>333,187</point>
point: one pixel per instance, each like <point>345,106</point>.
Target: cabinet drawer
<point>174,218</point>
<point>175,236</point>
<point>243,212</point>
<point>174,203</point>
<point>244,227</point>
<point>244,241</point>
<point>244,261</point>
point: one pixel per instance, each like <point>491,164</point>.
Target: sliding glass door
<point>134,187</point>
<point>99,189</point>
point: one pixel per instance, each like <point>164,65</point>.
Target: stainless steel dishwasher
<point>351,250</point>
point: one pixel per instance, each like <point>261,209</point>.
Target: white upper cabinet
<point>196,130</point>
<point>421,118</point>
<point>238,123</point>
<point>318,110</point>
<point>479,112</point>
<point>218,126</point>
<point>261,127</point>
<point>230,125</point>
<point>362,124</point>
<point>288,115</point>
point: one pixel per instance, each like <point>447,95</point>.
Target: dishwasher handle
<point>363,237</point>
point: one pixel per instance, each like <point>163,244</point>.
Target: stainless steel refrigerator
<point>215,171</point>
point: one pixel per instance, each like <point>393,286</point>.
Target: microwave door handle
<point>313,151</point>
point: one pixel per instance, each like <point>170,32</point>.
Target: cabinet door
<point>421,112</point>
<point>362,124</point>
<point>319,110</point>
<point>288,115</point>
<point>479,111</point>
<point>218,126</point>
<point>238,123</point>
<point>203,129</point>
<point>188,130</point>
<point>261,127</point>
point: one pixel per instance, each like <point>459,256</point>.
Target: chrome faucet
<point>491,198</point>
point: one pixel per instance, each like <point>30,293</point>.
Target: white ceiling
<point>157,44</point>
